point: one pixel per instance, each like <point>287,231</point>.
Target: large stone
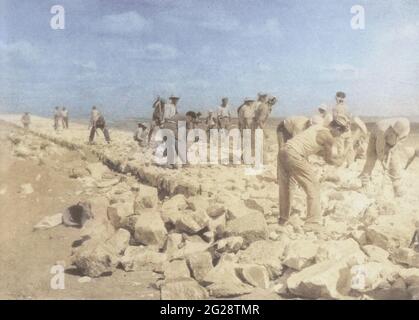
<point>347,251</point>
<point>141,258</point>
<point>97,170</point>
<point>251,227</point>
<point>376,254</point>
<point>150,229</point>
<point>266,253</point>
<point>176,269</point>
<point>391,232</point>
<point>94,259</point>
<point>147,198</point>
<point>328,279</point>
<point>230,244</point>
<point>255,275</point>
<point>410,276</point>
<point>118,211</point>
<point>119,241</point>
<point>215,211</point>
<point>200,264</point>
<point>189,248</point>
<point>172,208</point>
<point>217,225</point>
<point>406,256</point>
<point>352,206</point>
<point>197,203</point>
<point>300,254</point>
<point>183,289</point>
<point>192,221</point>
<point>222,281</point>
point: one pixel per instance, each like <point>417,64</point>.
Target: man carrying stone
<point>385,145</point>
<point>293,164</point>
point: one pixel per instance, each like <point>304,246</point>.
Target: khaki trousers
<point>292,166</point>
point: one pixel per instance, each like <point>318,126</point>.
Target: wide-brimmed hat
<point>402,128</point>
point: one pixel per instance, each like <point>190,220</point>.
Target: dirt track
<point>26,257</point>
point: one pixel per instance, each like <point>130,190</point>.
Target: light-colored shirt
<point>223,111</point>
<point>169,111</point>
<point>64,113</point>
<point>94,115</point>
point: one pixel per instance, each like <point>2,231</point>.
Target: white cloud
<point>123,23</point>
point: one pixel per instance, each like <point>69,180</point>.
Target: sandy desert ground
<point>198,232</point>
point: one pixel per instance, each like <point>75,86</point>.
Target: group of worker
<point>60,117</point>
<point>335,137</point>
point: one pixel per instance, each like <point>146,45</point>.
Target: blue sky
<point>119,55</point>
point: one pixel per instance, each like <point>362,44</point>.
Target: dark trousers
<point>104,130</point>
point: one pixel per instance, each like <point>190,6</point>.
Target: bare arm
<point>331,154</point>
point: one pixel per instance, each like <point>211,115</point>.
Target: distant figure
<point>340,108</point>
<point>26,120</point>
<point>190,120</point>
<point>64,114</point>
<point>359,134</point>
<point>157,117</point>
<point>263,111</point>
<point>211,120</point>
<point>97,121</point>
<point>246,114</point>
<point>140,134</point>
<point>57,118</point>
<point>170,109</point>
<point>385,145</point>
<point>223,114</point>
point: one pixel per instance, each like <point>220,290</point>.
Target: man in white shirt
<point>170,109</point>
<point>223,114</point>
<point>140,134</point>
<point>64,115</point>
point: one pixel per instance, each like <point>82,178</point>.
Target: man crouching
<point>293,164</point>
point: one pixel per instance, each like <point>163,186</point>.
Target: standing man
<point>223,114</point>
<point>293,164</point>
<point>64,114</point>
<point>263,111</point>
<point>26,120</point>
<point>246,114</point>
<point>97,121</point>
<point>385,145</point>
<point>57,118</point>
<point>340,107</point>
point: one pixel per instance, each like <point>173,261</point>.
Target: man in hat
<point>293,164</point>
<point>140,134</point>
<point>290,127</point>
<point>385,145</point>
<point>26,120</point>
<point>223,114</point>
<point>340,107</point>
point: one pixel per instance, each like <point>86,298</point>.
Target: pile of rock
<point>204,247</point>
